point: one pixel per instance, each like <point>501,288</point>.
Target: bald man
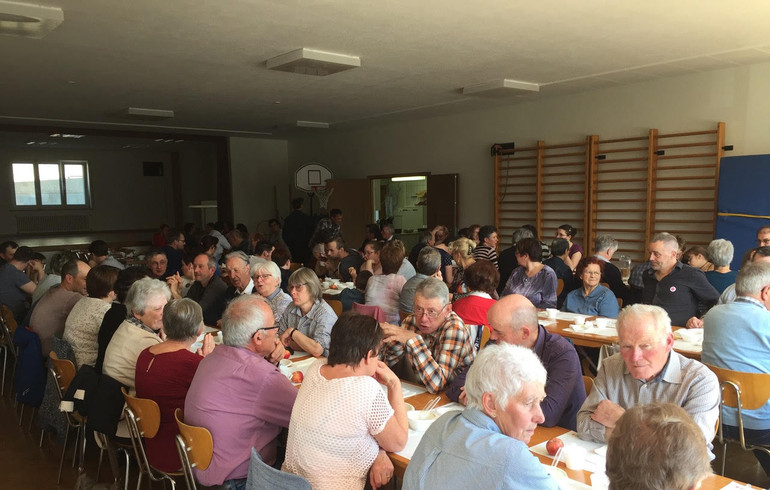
<point>513,320</point>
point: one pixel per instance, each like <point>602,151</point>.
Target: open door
<point>443,202</point>
<point>353,197</point>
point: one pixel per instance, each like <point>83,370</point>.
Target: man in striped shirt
<point>433,344</point>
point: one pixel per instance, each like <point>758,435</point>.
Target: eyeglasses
<point>296,287</point>
<point>592,273</point>
<point>264,277</point>
<point>418,312</point>
<point>264,329</point>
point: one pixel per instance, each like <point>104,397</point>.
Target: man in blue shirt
<point>513,320</point>
<point>736,336</point>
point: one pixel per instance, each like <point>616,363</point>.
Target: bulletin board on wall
<point>628,187</point>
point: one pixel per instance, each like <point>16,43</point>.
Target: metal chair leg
<point>31,419</point>
<point>77,446</point>
<point>21,415</point>
<point>63,450</point>
<point>724,456</point>
<point>5,362</point>
<point>42,433</point>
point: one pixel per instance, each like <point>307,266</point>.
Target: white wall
<point>260,176</point>
<point>460,143</point>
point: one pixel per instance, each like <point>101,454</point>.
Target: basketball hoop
<point>323,193</point>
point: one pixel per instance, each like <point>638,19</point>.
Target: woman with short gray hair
<point>141,329</point>
<point>720,252</point>
<point>164,373</point>
<point>485,445</point>
<point>307,323</point>
<point>267,283</point>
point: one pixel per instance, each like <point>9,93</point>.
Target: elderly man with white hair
<point>648,370</point>
<point>485,445</point>
<point>736,336</point>
<point>681,290</point>
<point>241,398</point>
<point>240,274</point>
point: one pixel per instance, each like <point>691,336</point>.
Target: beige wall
<point>260,176</point>
<point>460,143</point>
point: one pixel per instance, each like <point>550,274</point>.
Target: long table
<point>588,339</point>
<point>542,434</point>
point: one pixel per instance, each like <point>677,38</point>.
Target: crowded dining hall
<point>250,245</point>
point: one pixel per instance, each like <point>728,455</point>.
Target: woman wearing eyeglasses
<point>307,323</point>
<point>592,298</point>
<point>335,448</point>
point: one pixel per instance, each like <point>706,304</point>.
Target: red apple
<point>286,354</point>
<point>554,445</point>
<point>297,377</point>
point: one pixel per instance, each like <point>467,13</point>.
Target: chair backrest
<point>198,443</point>
<point>485,335</point>
<point>559,286</point>
<point>8,319</point>
<point>294,266</point>
<point>588,382</point>
<point>751,389</point>
<point>402,315</point>
<point>146,412</point>
<point>336,305</point>
<point>264,477</point>
<point>373,311</point>
<point>63,369</point>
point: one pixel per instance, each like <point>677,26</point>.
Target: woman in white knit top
<point>81,329</point>
<point>342,420</point>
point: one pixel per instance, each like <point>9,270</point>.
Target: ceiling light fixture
<point>501,88</point>
<point>28,20</point>
<point>149,114</point>
<point>313,124</point>
<point>408,178</point>
<point>313,62</point>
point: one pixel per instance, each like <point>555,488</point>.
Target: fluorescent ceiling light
<point>28,20</point>
<point>149,114</point>
<point>406,179</point>
<point>313,62</point>
<point>501,88</point>
<point>313,124</point>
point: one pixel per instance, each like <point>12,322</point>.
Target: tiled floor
<point>24,465</point>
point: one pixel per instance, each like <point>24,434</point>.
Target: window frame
<point>62,186</point>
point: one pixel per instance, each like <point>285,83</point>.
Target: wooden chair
<point>559,286</point>
<point>373,311</point>
<point>485,335</point>
<point>143,417</point>
<point>336,305</point>
<point>402,315</point>
<point>293,266</point>
<point>62,373</point>
<point>264,477</point>
<point>588,382</point>
<point>195,446</point>
<point>6,343</point>
<point>740,391</point>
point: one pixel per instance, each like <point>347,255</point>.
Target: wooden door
<point>353,197</point>
<point>443,202</point>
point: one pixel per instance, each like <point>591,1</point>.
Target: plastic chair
<point>62,373</point>
<point>264,477</point>
<point>195,446</point>
<point>741,391</point>
<point>336,305</point>
<point>370,310</point>
<point>588,382</point>
<point>143,417</point>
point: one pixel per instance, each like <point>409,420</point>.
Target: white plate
<point>558,474</point>
<point>601,451</point>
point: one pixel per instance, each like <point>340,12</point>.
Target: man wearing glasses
<point>241,398</point>
<point>433,344</point>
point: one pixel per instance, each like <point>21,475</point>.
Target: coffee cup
<point>580,320</point>
<point>574,456</point>
<point>551,312</point>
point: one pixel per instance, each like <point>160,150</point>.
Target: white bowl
<point>420,420</point>
<point>408,407</point>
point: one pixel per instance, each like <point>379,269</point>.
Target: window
<point>61,184</point>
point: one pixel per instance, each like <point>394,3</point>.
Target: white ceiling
<point>205,60</point>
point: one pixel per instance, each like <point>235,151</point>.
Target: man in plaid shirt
<point>433,342</point>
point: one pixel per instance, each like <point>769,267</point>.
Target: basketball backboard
<point>311,175</point>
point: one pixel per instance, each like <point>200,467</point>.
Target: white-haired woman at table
<point>485,445</point>
<point>267,283</point>
<point>342,421</point>
<point>307,323</point>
